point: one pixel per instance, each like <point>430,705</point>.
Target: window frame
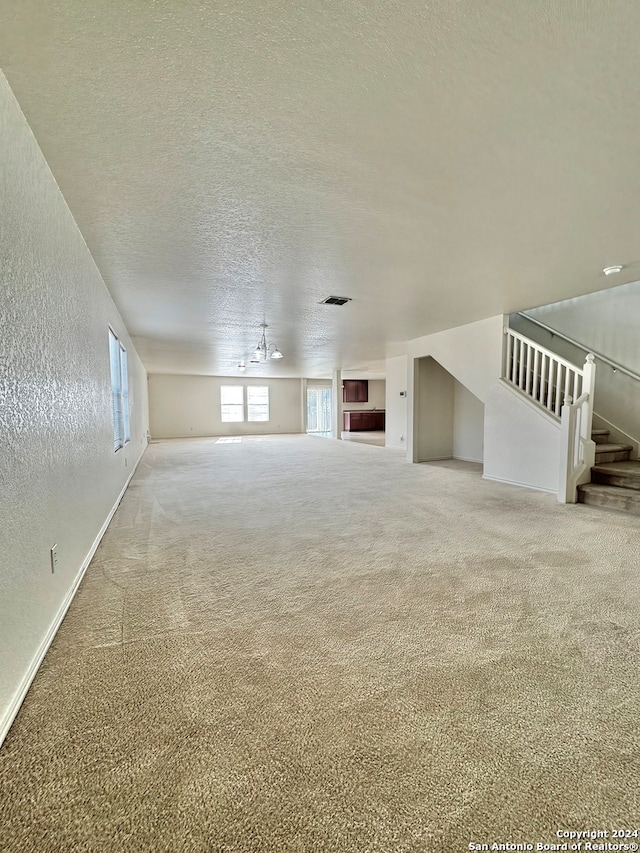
<point>119,375</point>
<point>238,406</point>
<point>258,420</point>
<point>245,406</point>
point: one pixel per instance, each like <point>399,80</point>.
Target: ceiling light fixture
<point>612,270</point>
<point>264,351</point>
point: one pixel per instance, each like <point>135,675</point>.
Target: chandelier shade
<point>264,351</point>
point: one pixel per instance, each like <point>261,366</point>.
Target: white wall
<point>606,321</point>
<point>617,396</point>
<point>188,406</point>
<point>468,425</point>
<point>434,411</point>
<point>395,405</point>
<point>521,443</point>
<point>472,354</point>
<point>59,475</point>
<point>450,419</point>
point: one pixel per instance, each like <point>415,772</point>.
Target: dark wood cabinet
<point>361,421</point>
<point>354,419</point>
<point>355,390</point>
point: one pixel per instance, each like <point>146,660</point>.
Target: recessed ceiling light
<point>612,270</point>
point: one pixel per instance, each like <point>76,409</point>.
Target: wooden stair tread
<point>602,488</point>
<point>624,466</point>
<point>624,474</point>
<point>612,448</point>
<point>610,497</point>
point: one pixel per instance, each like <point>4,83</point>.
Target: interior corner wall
<point>468,425</point>
<point>59,475</point>
<point>182,406</point>
<point>434,405</point>
<point>471,353</point>
<point>395,404</point>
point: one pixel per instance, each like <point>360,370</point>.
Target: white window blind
<point>119,392</point>
<point>231,403</point>
<point>257,402</point>
<point>124,394</point>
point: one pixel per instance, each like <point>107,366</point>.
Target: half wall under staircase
<point>594,468</point>
<point>563,393</point>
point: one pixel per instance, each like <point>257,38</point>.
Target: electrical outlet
<point>54,558</point>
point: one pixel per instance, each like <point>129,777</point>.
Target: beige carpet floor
<point>291,644</point>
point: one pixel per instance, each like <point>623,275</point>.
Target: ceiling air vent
<point>335,300</point>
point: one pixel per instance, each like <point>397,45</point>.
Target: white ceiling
<point>230,161</point>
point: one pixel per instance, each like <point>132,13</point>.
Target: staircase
<point>615,478</point>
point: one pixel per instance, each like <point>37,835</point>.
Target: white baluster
<point>509,365</point>
<point>558,389</point>
<point>535,393</point>
<point>521,365</point>
<point>551,402</point>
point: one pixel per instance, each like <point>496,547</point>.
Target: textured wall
<point>396,406</point>
<point>59,476</point>
<point>189,406</point>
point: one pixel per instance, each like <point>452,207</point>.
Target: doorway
<point>319,410</point>
<point>448,418</point>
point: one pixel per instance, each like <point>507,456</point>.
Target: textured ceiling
<point>438,162</point>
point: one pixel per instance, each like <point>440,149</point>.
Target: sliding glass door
<point>319,409</point>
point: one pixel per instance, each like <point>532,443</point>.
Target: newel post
<point>586,424</point>
<point>588,386</point>
<point>566,485</point>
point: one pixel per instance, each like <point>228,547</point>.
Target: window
<point>231,403</point>
<point>119,392</point>
<point>257,402</point>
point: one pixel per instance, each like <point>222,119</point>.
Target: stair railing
<point>577,449</point>
<point>540,374</point>
<point>554,383</point>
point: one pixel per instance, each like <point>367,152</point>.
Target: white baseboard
<point>520,485</point>
<point>25,684</point>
